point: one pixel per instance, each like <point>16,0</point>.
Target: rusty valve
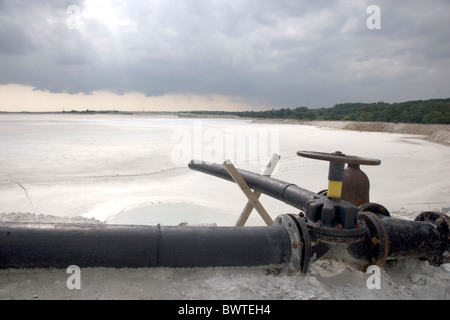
<point>351,184</point>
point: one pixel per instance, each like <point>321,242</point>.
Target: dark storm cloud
<point>281,53</point>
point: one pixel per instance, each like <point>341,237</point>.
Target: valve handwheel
<point>336,171</point>
<point>339,157</point>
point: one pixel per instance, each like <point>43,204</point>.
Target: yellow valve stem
<point>334,189</point>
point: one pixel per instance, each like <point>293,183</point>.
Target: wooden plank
<point>268,170</point>
<point>252,198</point>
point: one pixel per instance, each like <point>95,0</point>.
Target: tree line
<point>420,111</point>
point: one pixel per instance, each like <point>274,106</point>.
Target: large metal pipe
<point>413,239</point>
<point>283,191</point>
<point>368,235</point>
<point>25,245</point>
<point>290,243</point>
<point>330,227</point>
<point>425,237</point>
<point>319,207</point>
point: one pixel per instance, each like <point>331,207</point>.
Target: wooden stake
<point>252,196</point>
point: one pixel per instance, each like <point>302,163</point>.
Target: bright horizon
<point>33,100</point>
<point>173,55</point>
<point>19,98</point>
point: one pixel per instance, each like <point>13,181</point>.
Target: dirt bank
<point>431,132</point>
<point>438,133</point>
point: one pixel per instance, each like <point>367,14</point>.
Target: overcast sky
<point>220,54</point>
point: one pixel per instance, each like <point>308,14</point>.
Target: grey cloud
<point>283,53</point>
<point>14,40</point>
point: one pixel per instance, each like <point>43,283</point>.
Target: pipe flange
<point>376,208</point>
<point>379,240</point>
<point>298,247</point>
<point>442,223</point>
<point>435,217</point>
<point>372,214</point>
<point>305,242</point>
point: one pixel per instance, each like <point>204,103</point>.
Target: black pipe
<point>318,207</point>
<point>223,246</point>
<point>287,192</point>
<point>290,241</point>
<point>426,237</point>
<point>412,239</point>
<point>365,234</point>
<point>369,236</point>
<point>24,245</point>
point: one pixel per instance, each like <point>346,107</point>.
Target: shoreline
<point>437,133</point>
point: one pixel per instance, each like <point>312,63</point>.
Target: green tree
<point>366,116</point>
<point>434,117</point>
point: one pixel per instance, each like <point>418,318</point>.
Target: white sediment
<point>126,169</point>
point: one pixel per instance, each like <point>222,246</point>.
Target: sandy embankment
<point>438,133</point>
